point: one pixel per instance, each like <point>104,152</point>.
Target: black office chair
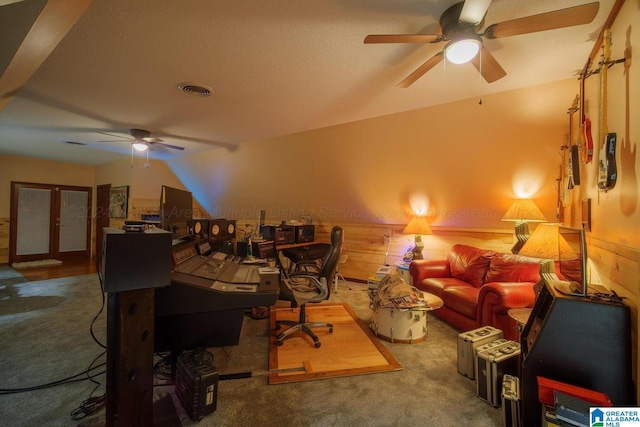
<point>304,287</point>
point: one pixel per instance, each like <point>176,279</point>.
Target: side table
<point>521,316</point>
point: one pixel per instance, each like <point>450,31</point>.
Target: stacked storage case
<point>510,401</point>
<point>491,365</point>
<point>468,342</point>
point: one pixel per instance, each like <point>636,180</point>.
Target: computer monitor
<point>176,210</point>
<point>572,261</point>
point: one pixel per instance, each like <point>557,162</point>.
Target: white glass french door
<point>49,221</point>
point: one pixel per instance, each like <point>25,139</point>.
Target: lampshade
<point>524,210</point>
<point>418,225</point>
<point>463,50</point>
<point>547,242</point>
<point>140,146</point>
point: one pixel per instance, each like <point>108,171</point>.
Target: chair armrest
<point>499,297</point>
<point>320,284</point>
<point>421,269</point>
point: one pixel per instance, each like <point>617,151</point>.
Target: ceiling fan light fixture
<point>139,146</point>
<point>462,50</point>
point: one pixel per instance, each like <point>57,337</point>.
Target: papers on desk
<point>254,261</point>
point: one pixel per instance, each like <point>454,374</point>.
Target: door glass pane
<point>33,221</point>
<point>73,220</point>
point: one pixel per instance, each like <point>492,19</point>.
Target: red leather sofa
<point>478,286</point>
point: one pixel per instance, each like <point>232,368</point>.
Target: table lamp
<point>418,226</point>
<point>522,211</point>
<point>547,243</point>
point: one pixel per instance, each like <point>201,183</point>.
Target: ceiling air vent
<point>195,89</point>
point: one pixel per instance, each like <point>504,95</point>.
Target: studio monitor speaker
<point>222,229</point>
<point>198,228</point>
<point>135,260</point>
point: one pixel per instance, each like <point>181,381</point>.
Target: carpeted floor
<point>44,328</point>
<point>9,276</point>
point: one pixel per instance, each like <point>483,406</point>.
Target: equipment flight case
<point>491,366</point>
<point>468,342</point>
<point>510,401</point>
<point>196,384</point>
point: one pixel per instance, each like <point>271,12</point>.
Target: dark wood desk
<point>297,252</point>
<point>294,245</point>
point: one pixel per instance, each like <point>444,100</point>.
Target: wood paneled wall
<point>367,245</point>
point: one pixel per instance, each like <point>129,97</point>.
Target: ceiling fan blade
<point>162,144</point>
<point>488,66</point>
<point>473,12</point>
<point>561,18</point>
<point>228,146</point>
<point>402,38</point>
<point>432,62</point>
<point>120,137</point>
<point>151,139</point>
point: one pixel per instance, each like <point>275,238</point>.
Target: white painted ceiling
<point>276,67</point>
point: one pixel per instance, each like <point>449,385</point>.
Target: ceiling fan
<point>142,140</point>
<point>460,25</point>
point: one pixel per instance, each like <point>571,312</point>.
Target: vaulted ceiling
<point>77,73</point>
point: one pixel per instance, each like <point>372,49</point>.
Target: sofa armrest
<point>499,297</point>
<point>421,269</point>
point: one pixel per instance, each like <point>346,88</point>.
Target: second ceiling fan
<point>460,25</point>
<point>142,140</point>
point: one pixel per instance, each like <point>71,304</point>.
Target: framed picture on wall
<point>118,198</point>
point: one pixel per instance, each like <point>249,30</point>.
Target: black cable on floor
<point>93,403</point>
<point>88,407</point>
<point>68,380</point>
<point>93,335</point>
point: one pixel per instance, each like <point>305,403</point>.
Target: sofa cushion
<point>469,264</point>
<point>463,299</point>
<point>437,285</point>
<point>513,268</point>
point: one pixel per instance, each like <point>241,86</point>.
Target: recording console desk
<point>200,303</point>
<point>205,304</point>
